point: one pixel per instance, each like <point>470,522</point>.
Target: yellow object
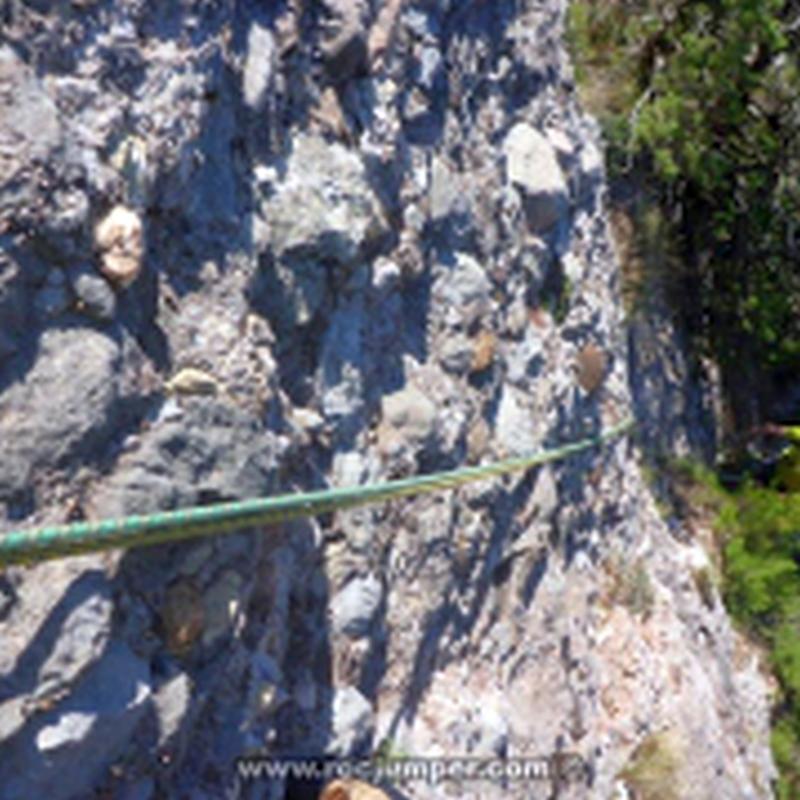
<point>787,473</point>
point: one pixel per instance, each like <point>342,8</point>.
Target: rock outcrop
<point>370,240</point>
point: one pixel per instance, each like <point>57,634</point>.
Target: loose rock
<point>591,364</point>
<point>119,239</point>
<point>532,166</point>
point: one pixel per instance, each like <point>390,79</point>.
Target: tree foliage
<point>704,98</point>
<point>762,591</point>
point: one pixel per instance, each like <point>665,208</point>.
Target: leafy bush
<point>703,99</point>
<point>762,591</point>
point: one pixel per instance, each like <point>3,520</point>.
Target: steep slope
<point>358,241</point>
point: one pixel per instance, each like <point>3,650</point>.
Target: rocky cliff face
<point>257,247</point>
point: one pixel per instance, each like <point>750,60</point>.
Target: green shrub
<point>762,591</point>
<point>702,100</point>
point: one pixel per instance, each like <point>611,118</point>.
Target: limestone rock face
<point>376,246</point>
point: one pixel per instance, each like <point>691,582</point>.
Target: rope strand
<point>40,544</point>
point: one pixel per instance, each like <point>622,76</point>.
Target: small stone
<point>66,405</point>
<point>258,66</point>
<point>95,296</point>
<point>463,289</point>
<point>324,214</point>
<point>532,166</point>
<point>182,616</point>
<point>517,319</point>
<point>514,424</point>
<point>171,703</point>
<point>457,354</point>
<point>411,413</point>
<point>353,608</point>
<point>386,275</point>
<point>119,239</point>
<point>545,494</point>
<point>446,190</point>
<point>591,365</point>
<point>483,351</point>
<point>192,381</point>
<point>351,721</point>
<point>477,440</point>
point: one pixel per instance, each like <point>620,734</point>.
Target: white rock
<point>352,720</point>
<point>258,65</point>
<point>119,238</point>
<point>532,166</point>
<point>411,413</point>
<point>514,426</point>
<point>222,602</point>
<point>171,704</point>
<point>353,608</point>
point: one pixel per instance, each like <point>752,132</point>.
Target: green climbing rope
<point>40,544</point>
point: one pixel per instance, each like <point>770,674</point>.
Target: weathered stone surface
<point>94,296</point>
<point>531,165</point>
<point>465,286</point>
<point>325,207</point>
<point>96,720</point>
<point>211,449</point>
<point>352,721</point>
<point>344,40</point>
<point>30,134</point>
<point>63,408</point>
<point>258,65</point>
<point>411,414</point>
<point>354,606</point>
<point>324,214</point>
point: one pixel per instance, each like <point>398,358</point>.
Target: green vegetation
<point>700,102</point>
<point>762,591</point>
